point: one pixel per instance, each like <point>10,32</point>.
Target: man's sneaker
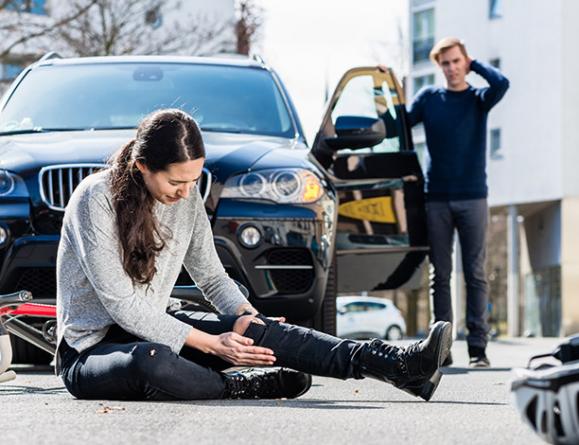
<point>414,369</point>
<point>478,357</point>
<point>256,383</point>
<point>447,361</point>
<point>479,362</point>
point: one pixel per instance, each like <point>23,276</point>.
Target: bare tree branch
<point>249,23</point>
<point>119,28</point>
<point>31,27</point>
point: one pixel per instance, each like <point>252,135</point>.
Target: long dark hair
<point>164,137</point>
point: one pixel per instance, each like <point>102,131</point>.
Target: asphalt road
<point>470,406</point>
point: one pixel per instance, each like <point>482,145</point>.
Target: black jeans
<point>470,219</point>
<point>125,367</point>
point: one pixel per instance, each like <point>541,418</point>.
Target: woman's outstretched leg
<point>414,369</point>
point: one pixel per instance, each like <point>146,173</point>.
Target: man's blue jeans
<point>470,219</point>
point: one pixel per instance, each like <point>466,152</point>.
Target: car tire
<point>394,333</point>
<point>325,319</point>
<point>25,353</point>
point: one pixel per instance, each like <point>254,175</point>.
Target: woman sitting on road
<point>126,233</point>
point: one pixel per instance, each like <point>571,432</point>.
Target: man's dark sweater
<point>455,124</point>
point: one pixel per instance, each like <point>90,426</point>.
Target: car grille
<point>41,281</point>
<point>57,182</point>
<point>294,272</point>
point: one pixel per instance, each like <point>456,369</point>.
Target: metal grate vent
<point>57,182</point>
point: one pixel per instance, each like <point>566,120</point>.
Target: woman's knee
<point>242,323</point>
<point>150,360</point>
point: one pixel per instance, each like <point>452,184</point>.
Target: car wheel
<point>394,333</point>
<point>25,353</point>
<point>325,319</point>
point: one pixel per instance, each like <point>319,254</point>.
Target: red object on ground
<point>31,309</point>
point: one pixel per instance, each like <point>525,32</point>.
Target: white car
<point>366,317</point>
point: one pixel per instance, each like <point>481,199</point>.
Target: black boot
<point>413,369</point>
<point>255,383</point>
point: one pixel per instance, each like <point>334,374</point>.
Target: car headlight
<point>294,185</point>
<point>7,182</point>
<point>12,185</point>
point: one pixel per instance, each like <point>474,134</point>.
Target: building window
<point>420,82</point>
<point>418,3</point>
<point>30,6</point>
<point>495,144</point>
<point>496,63</point>
<point>9,71</point>
<point>495,9</point>
<point>422,34</point>
<point>154,18</point>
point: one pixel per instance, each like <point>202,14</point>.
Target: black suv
<point>294,225</point>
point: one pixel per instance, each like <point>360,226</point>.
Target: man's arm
<point>416,112</point>
<point>498,84</point>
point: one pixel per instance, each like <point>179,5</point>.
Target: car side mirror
<point>341,311</point>
<point>356,132</point>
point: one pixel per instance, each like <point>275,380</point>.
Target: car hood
<point>226,153</point>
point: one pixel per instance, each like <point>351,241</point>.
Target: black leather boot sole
<point>266,383</point>
<point>414,369</point>
<point>441,335</point>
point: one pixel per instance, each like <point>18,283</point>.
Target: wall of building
<point>569,87</point>
<point>570,266</point>
<point>535,167</point>
<point>528,168</point>
<point>543,233</point>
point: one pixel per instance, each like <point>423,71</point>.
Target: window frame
<point>427,41</point>
<point>495,135</point>
<point>495,9</point>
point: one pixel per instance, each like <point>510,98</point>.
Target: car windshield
<point>117,95</point>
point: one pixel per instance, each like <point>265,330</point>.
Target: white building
<point>196,17</point>
<point>533,141</point>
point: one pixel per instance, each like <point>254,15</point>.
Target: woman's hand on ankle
<point>239,350</point>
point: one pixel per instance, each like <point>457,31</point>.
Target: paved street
<point>470,406</point>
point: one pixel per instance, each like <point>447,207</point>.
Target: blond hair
<point>444,45</point>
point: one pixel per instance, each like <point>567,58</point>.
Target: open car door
<point>365,147</point>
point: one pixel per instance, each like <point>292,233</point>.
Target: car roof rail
<point>258,59</point>
<point>226,55</point>
<point>50,55</point>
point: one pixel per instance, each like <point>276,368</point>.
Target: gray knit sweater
<point>94,291</point>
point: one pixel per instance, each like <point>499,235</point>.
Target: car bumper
<point>285,273</point>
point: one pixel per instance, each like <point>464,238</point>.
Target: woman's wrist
<point>202,341</point>
<point>246,309</point>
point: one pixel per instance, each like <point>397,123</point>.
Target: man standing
<point>455,124</point>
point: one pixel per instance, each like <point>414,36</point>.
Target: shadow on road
<point>453,370</point>
<point>11,390</point>
<point>332,404</point>
<point>301,404</point>
<point>449,402</point>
